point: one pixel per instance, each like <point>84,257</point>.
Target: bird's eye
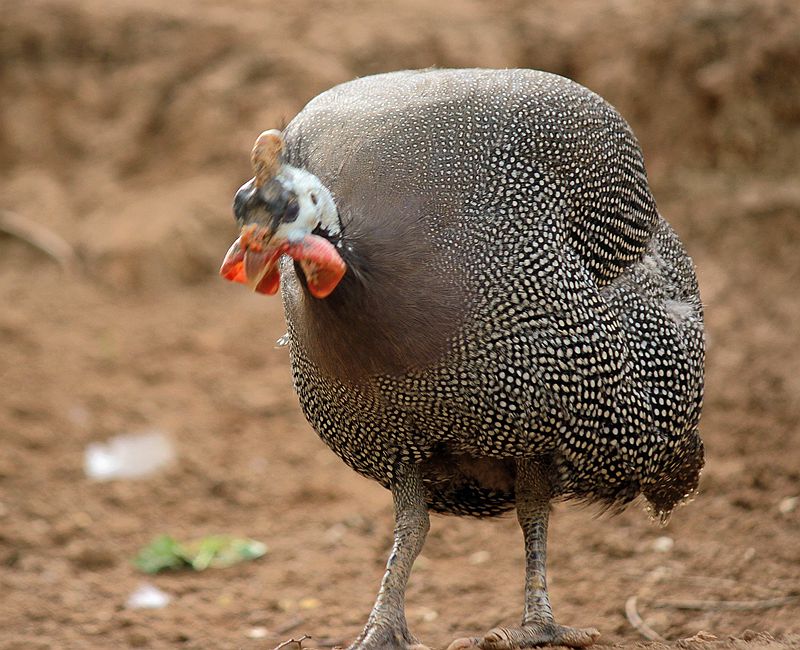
<point>290,214</point>
<point>313,197</point>
<point>240,201</point>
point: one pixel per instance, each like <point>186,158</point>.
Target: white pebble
<point>479,557</point>
<point>129,455</point>
<point>147,596</point>
<point>663,544</point>
<point>256,633</point>
<point>787,505</point>
<point>429,615</point>
<point>335,534</point>
<point>424,614</point>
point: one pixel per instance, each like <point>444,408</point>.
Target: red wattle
<point>321,263</point>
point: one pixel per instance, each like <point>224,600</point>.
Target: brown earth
<point>125,128</point>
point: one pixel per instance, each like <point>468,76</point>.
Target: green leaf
<point>219,551</point>
<point>214,551</point>
<point>238,550</point>
<point>162,553</point>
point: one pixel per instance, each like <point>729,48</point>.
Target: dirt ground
<point>125,128</point>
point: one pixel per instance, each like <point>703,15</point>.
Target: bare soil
<point>125,128</point>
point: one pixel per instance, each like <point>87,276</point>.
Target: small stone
<point>479,557</point>
<point>663,544</point>
<point>429,615</point>
<point>225,600</point>
<point>423,614</point>
<point>130,455</point>
<point>788,504</point>
<point>258,632</point>
<point>309,603</point>
<point>284,605</point>
<point>147,596</point>
<point>752,635</point>
<point>334,534</point>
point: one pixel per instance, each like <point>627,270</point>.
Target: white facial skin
<point>315,206</point>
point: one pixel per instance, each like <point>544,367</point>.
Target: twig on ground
<point>39,237</point>
<point>632,613</point>
<point>299,642</point>
<point>727,605</point>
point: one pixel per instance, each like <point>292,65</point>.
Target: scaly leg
<point>538,627</point>
<point>386,626</point>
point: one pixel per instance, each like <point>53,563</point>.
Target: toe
<point>529,636</point>
<point>578,638</point>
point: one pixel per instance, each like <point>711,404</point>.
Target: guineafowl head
<point>283,210</point>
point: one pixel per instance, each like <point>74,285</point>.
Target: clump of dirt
<point>125,128</point>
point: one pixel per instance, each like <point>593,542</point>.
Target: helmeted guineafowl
<point>485,309</point>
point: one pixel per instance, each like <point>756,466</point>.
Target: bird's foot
<point>380,637</point>
<point>529,636</point>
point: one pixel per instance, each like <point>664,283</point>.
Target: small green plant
<point>214,551</point>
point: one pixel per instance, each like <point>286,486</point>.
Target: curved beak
<point>253,260</point>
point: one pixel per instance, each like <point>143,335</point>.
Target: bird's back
<point>545,307</point>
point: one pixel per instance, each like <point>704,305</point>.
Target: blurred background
<point>125,128</point>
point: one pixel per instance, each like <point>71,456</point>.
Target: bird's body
<point>517,322</point>
<point>563,310</point>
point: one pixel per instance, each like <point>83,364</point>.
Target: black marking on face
<point>270,205</point>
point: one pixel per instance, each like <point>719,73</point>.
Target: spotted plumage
<point>485,310</point>
<point>533,301</point>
